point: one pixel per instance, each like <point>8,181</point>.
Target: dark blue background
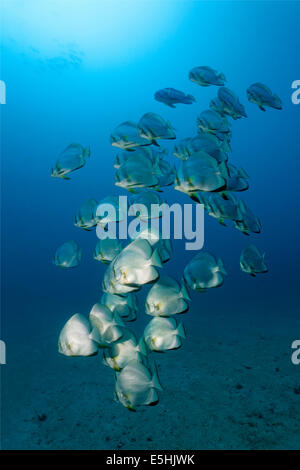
<point>51,103</point>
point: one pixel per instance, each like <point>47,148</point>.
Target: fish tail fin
<point>184,292</point>
<point>152,398</point>
<point>181,330</point>
<point>143,347</point>
<point>239,215</point>
<point>118,319</point>
<point>191,98</point>
<point>168,244</point>
<point>241,206</point>
<point>105,361</point>
<point>243,173</point>
<point>95,336</point>
<point>278,101</point>
<point>87,152</point>
<point>221,267</point>
<point>155,380</point>
<point>156,259</point>
<point>226,146</point>
<point>184,282</point>
<point>222,77</point>
<point>157,169</point>
<point>157,158</point>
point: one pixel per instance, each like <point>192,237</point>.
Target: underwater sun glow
<point>97,30</point>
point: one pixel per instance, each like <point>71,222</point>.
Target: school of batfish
<point>206,176</point>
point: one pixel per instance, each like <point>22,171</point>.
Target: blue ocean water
<point>73,72</point>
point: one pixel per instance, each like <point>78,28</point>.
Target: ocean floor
<point>232,386</point>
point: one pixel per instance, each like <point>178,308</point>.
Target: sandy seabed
<point>229,387</point>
